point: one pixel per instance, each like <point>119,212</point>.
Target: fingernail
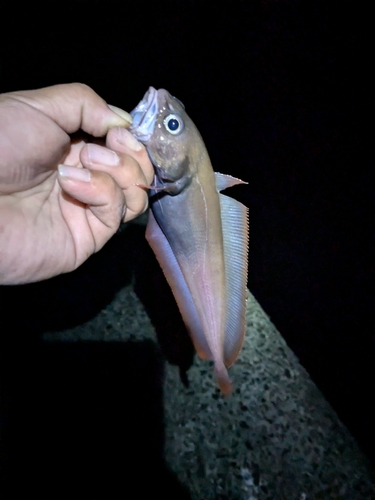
<point>102,156</point>
<point>125,138</point>
<point>78,174</point>
<point>120,112</point>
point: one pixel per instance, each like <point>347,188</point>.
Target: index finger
<point>75,106</point>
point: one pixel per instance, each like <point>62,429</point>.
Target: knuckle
<point>81,87</point>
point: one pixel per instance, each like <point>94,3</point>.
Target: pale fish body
<point>199,236</point>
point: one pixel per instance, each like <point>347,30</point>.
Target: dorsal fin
<point>235,226</point>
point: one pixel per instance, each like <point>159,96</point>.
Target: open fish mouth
<point>144,115</point>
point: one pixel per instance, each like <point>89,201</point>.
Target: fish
<point>199,236</point>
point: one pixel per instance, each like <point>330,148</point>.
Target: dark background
<point>280,94</point>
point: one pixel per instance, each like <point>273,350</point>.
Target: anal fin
<point>172,271</point>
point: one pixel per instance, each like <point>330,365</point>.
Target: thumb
<point>75,106</point>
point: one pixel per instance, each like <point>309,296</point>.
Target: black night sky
<point>279,92</point>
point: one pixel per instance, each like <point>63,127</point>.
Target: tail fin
<point>222,378</point>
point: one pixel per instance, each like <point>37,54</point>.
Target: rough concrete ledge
<point>275,437</point>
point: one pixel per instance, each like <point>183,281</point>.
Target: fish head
<point>172,140</point>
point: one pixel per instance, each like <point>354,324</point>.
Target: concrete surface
<point>275,437</point>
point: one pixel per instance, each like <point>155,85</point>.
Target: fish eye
<point>174,124</point>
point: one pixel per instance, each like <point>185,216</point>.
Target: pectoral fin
<point>234,217</point>
<point>224,181</point>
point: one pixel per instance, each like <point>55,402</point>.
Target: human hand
<point>53,218</point>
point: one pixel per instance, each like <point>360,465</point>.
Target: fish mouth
<point>144,115</point>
